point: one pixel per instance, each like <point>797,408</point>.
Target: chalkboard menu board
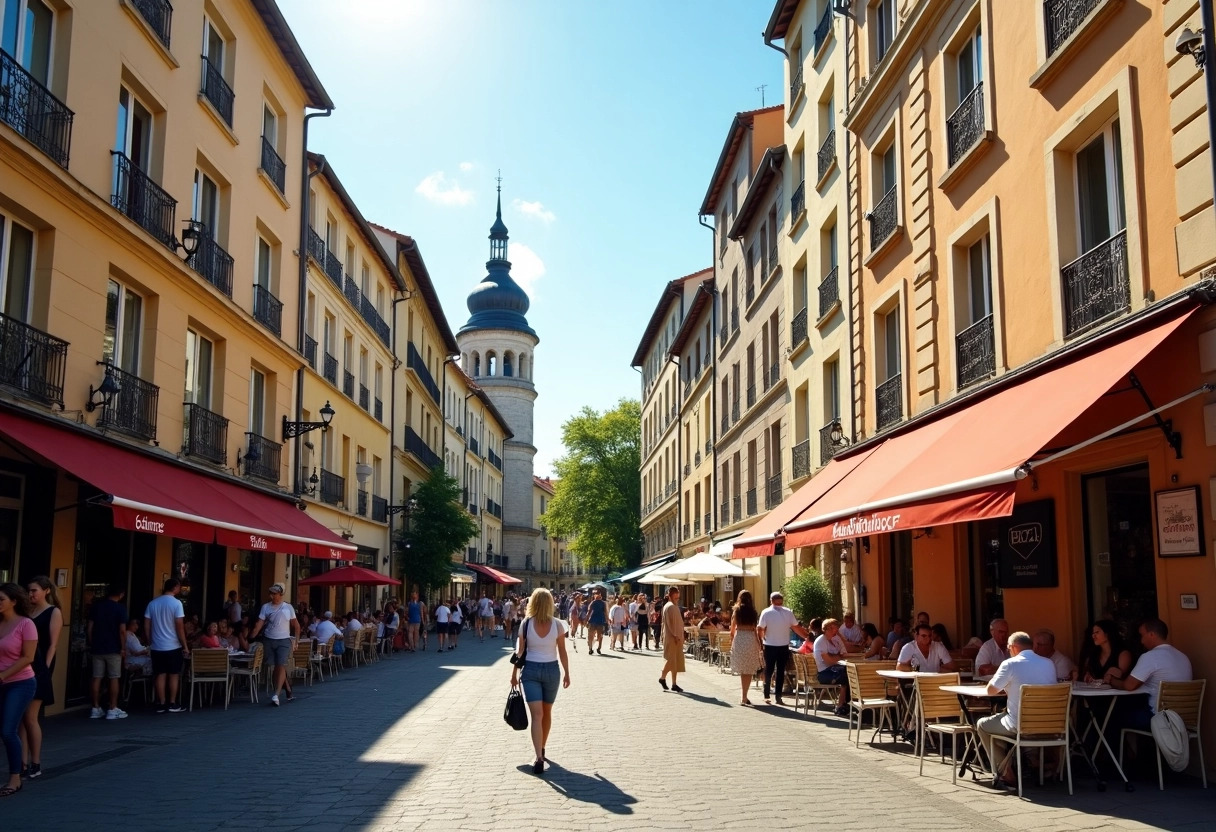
<point>1028,556</point>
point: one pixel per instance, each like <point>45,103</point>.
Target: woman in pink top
<point>18,641</point>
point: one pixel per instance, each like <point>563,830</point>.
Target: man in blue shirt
<point>413,621</point>
<point>597,620</point>
<point>107,634</point>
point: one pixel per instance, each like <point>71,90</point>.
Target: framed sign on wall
<point>1179,523</point>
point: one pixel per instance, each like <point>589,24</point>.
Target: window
<point>16,268</point>
<point>327,334</point>
<point>884,28</point>
<point>1100,209</point>
<point>350,259</point>
<point>979,288</point>
<point>133,137</point>
<point>888,394</point>
<point>365,280</point>
<point>26,36</point>
<point>206,202</point>
<point>213,45</point>
<point>887,169</point>
<point>257,402</point>
<point>270,126</point>
<point>263,271</point>
<point>124,323</point>
<point>831,390</point>
<point>198,369</point>
<point>890,335</point>
<point>970,64</point>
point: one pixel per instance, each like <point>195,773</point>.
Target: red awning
<point>158,497</point>
<point>350,576</point>
<point>960,466</point>
<point>493,574</point>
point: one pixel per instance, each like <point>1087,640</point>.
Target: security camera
<point>1190,43</point>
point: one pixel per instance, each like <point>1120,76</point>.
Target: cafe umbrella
<point>350,576</point>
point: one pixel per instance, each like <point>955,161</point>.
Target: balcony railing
<point>801,455</point>
<point>751,502</point>
<point>132,410</point>
<point>415,445</point>
<point>890,401</point>
<point>798,200</point>
<point>316,248</point>
<point>367,310</point>
<point>706,520</point>
<point>1096,285</point>
<point>696,527</point>
<point>1062,18</point>
<point>333,268</point>
<point>795,84</point>
<point>827,154</point>
<point>824,28</point>
<point>751,395</point>
<point>725,333</point>
<point>159,15</point>
<point>212,263</point>
<point>750,291</point>
<point>734,409</point>
<point>205,434</point>
<point>333,488</point>
<point>494,458</point>
<point>965,125</point>
<point>348,384</point>
<point>310,351</point>
<point>883,218</point>
<point>827,447</point>
<point>330,370</point>
<point>798,328</point>
<point>734,319</point>
<point>361,503</point>
<point>474,508</point>
<point>709,447</point>
<point>34,111</point>
<point>32,362</point>
<point>378,409</point>
<point>216,90</point>
<point>474,445</point>
<point>262,457</point>
<point>687,468</point>
<point>696,458</point>
<point>772,375</point>
<point>351,290</point>
<point>379,509</point>
<point>772,497</point>
<point>725,509</point>
<point>268,311</point>
<point>141,199</point>
<point>736,509</point>
<point>976,351</point>
<point>275,167</point>
<point>725,423</point>
<point>365,397</point>
<point>414,361</point>
<point>829,291</point>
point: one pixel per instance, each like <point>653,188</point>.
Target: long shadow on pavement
<point>707,700</point>
<point>586,788</point>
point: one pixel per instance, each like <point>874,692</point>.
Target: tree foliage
<point>597,498</point>
<point>437,526</point>
<point>808,595</point>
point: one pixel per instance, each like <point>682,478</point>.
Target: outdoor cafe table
<point>1085,691</point>
<point>905,680</point>
<point>975,747</point>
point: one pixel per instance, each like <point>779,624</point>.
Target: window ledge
<point>823,47</point>
<point>883,247</point>
<point>968,159</point>
<point>795,100</point>
<point>797,349</point>
<point>218,119</point>
<point>274,189</point>
<point>827,174</point>
<point>796,223</point>
<point>149,34</point>
<point>734,335</point>
<point>1055,62</point>
<point>832,310</point>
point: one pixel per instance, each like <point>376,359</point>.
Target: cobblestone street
<point>418,741</point>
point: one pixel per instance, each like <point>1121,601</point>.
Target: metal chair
<point>209,666</point>
<point>1186,700</point>
<point>251,672</point>
<point>1042,723</point>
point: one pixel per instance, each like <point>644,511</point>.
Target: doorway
<point>903,600</point>
<point>987,598</point>
<point>1121,567</point>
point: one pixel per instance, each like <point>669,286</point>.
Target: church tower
<point>497,349</point>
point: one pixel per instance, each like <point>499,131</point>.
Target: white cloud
<point>534,209</point>
<point>436,188</point>
<point>466,166</point>
<point>526,267</point>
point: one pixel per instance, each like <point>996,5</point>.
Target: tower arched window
<point>476,364</point>
<point>523,366</point>
<point>508,362</point>
<point>491,364</point>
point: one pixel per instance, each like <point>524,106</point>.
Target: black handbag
<point>515,713</point>
<point>519,659</point>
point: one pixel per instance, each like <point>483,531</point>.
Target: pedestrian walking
<point>48,620</point>
<point>746,655</point>
<point>597,620</point>
<point>641,631</point>
<point>618,617</point>
<point>576,606</point>
<point>456,625</point>
<point>508,618</point>
<point>673,640</point>
<point>164,623</point>
<point>443,623</point>
<point>282,628</point>
<point>485,616</point>
<point>542,640</point>
<point>656,623</point>
<point>774,627</point>
<point>413,621</point>
<point>107,640</point>
<point>18,645</point>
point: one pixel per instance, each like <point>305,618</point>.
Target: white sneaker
<point>116,713</point>
<point>96,713</point>
<point>274,700</point>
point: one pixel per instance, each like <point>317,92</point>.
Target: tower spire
<point>498,231</point>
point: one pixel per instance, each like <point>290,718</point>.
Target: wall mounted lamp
<point>294,429</point>
<point>107,390</point>
<point>192,236</point>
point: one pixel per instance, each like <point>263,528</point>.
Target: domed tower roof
<point>498,302</point>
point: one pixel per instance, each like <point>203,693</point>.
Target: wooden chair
<point>131,677</point>
<point>820,692</point>
<point>252,672</point>
<point>209,666</point>
<point>301,660</point>
<point>938,712</point>
<point>804,670</point>
<point>1186,700</point>
<point>354,647</point>
<point>868,692</point>
<point>721,651</point>
<point>1042,723</point>
<point>324,656</point>
<point>370,646</point>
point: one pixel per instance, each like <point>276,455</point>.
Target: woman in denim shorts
<point>543,639</point>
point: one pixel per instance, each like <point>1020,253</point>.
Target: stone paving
<point>417,741</point>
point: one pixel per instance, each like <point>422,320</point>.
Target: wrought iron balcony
<point>773,260</point>
<point>751,395</point>
<point>494,458</point>
<point>205,434</point>
<point>32,363</point>
<point>772,375</point>
<point>795,84</point>
<point>379,509</point>
<point>687,469</point>
<point>378,409</point>
<point>889,401</point>
<point>827,446</point>
<point>734,410</point>
<point>330,370</point>
<point>365,397</point>
<point>333,488</point>
<point>415,445</point>
<point>1096,285</point>
<point>367,310</point>
<point>274,167</point>
<point>798,328</point>
<point>751,502</point>
<point>310,351</point>
<point>333,268</point>
<point>159,15</point>
<point>141,199</point>
<point>709,447</point>
<point>965,125</point>
<point>706,520</point>
<point>414,361</point>
<point>772,497</point>
<point>736,509</point>
<point>474,445</point>
<point>725,333</point>
<point>268,311</point>
<point>801,454</point>
<point>1062,18</point>
<point>824,28</point>
<point>351,290</point>
<point>829,291</point>
<point>132,410</point>
<point>316,248</point>
<point>883,218</point>
<point>696,527</point>
<point>212,263</point>
<point>798,200</point>
<point>734,319</point>
<point>216,90</point>
<point>725,512</point>
<point>361,503</point>
<point>474,508</point>
<point>725,423</point>
<point>696,458</point>
<point>262,457</point>
<point>33,111</point>
<point>827,154</point>
<point>976,350</point>
<point>348,384</point>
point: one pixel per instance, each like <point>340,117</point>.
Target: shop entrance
<point>1119,552</point>
<point>987,599</point>
<point>903,600</point>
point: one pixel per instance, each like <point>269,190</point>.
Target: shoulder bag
<point>515,713</point>
<point>518,659</point>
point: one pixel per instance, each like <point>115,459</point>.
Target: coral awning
<point>493,574</point>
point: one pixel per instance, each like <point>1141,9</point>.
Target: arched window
<point>523,366</point>
<point>491,364</point>
<point>508,361</point>
<point>476,365</point>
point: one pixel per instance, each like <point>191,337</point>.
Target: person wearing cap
<point>774,627</point>
<point>282,628</point>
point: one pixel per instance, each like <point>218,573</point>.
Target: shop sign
<point>1179,523</point>
<point>1028,556</point>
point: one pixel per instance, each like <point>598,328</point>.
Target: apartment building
<point>148,247</point>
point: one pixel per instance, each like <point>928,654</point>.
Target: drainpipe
<point>392,427</point>
<point>675,359</point>
<point>713,382</point>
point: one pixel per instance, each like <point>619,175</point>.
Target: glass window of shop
<point>1120,560</point>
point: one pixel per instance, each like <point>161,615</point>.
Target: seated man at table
<point>1023,667</point>
<point>1045,646</point>
<point>850,632</point>
<point>327,629</point>
<point>1161,662</point>
<point>896,636</point>
<point>924,654</point>
<point>829,653</point>
<point>993,651</point>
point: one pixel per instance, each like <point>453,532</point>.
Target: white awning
<point>647,567</point>
<point>724,546</point>
<point>461,577</point>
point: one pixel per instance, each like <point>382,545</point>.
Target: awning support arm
<point>1173,437</point>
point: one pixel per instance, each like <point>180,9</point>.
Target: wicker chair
<point>720,654</point>
<point>301,660</point>
<point>868,692</point>
<point>939,712</point>
<point>1186,700</point>
<point>370,645</point>
<point>354,647</point>
<point>324,656</point>
<point>1042,723</point>
<point>252,672</point>
<point>209,666</point>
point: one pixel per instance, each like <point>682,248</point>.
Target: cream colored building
<point>692,349</point>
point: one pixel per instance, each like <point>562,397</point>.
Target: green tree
<point>597,498</point>
<point>808,595</point>
<point>436,526</point>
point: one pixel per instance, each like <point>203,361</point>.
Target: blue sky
<point>606,119</point>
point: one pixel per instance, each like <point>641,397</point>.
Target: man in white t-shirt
<point>617,617</point>
<point>774,627</point>
<point>993,651</point>
<point>850,632</point>
<point>278,619</point>
<point>455,625</point>
<point>830,653</point>
<point>508,619</point>
<point>327,629</point>
<point>1161,662</point>
<point>1023,667</point>
<point>442,617</point>
<point>485,616</point>
<point>1045,646</point>
<point>164,622</point>
<point>925,655</point>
